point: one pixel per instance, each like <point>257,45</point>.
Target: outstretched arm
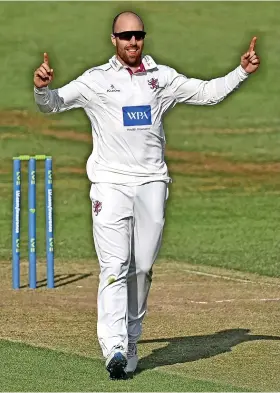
<point>199,92</point>
<point>75,94</point>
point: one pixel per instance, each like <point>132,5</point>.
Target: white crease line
<point>218,276</point>
<point>229,278</point>
<point>277,299</point>
<point>214,301</point>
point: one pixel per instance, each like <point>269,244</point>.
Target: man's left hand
<point>250,61</point>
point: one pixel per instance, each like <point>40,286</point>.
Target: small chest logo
<point>153,83</point>
<point>113,90</point>
<point>137,115</point>
<point>96,207</point>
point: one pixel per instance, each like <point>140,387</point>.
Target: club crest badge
<point>96,207</point>
<point>153,83</point>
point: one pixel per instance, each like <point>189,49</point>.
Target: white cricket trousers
<point>128,223</point>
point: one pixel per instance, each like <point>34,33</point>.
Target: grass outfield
<point>220,212</point>
<point>200,39</point>
<point>223,210</point>
<point>59,372</point>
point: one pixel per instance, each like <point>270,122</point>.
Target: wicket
<point>32,220</point>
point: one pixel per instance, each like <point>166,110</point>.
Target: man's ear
<point>113,39</point>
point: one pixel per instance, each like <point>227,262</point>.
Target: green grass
<point>257,147</point>
<point>26,368</point>
<point>233,226</point>
<point>200,39</point>
<point>233,231</point>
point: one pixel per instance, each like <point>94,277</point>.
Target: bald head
<point>128,37</point>
<point>127,21</point>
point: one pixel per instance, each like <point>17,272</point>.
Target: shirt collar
<point>147,62</point>
<point>140,69</point>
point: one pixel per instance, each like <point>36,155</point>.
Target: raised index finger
<point>252,44</point>
<point>46,58</point>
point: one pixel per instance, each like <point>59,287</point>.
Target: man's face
<point>129,46</point>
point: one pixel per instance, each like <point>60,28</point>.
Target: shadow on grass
<point>61,280</point>
<point>192,348</point>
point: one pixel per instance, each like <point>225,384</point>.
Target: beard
<point>131,59</point>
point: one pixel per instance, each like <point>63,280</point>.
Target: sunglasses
<point>127,35</point>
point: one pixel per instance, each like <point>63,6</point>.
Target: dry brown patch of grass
<point>8,135</point>
<point>193,162</point>
<point>25,118</point>
<point>68,170</point>
<point>40,123</point>
<point>235,131</point>
<point>222,173</point>
<point>68,135</point>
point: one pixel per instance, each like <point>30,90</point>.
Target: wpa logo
<point>137,115</point>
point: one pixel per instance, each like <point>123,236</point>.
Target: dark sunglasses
<point>127,35</point>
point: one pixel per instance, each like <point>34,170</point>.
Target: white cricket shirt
<point>126,113</point>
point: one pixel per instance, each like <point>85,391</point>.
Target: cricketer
<point>125,101</point>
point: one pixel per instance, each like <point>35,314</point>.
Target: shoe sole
<point>116,366</point>
<point>135,363</point>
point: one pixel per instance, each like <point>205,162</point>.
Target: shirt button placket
<point>134,83</point>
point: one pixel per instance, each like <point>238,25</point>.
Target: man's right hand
<point>44,75</point>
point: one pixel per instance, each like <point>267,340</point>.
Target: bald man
<point>125,100</point>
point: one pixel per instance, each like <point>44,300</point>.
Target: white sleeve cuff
<point>242,73</point>
<point>41,90</point>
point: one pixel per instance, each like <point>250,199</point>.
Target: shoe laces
<point>131,350</point>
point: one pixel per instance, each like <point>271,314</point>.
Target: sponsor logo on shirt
<point>113,90</point>
<point>137,115</point>
<point>153,83</point>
